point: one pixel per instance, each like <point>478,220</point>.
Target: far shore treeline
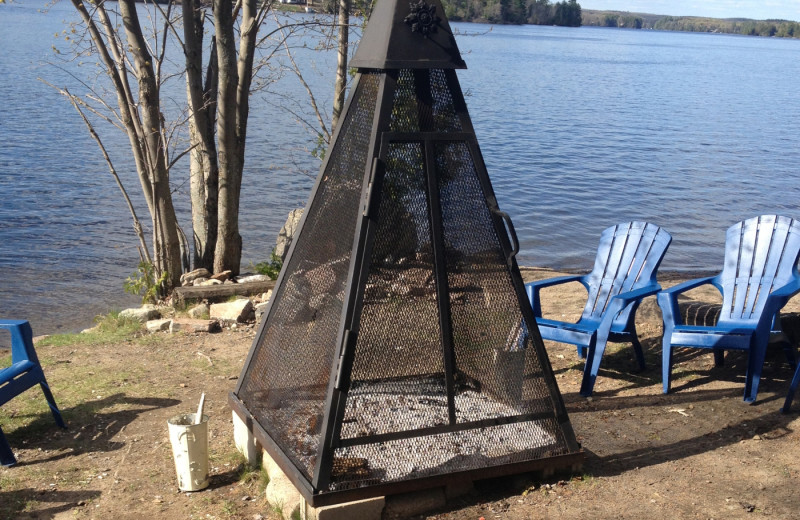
<point>569,13</point>
<point>744,26</point>
<point>535,12</point>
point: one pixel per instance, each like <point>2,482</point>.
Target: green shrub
<point>143,282</point>
<point>272,267</point>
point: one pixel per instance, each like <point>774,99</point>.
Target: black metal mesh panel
<point>397,460</point>
<point>443,113</point>
<point>398,356</point>
<point>285,385</point>
<point>405,114</point>
<point>491,340</point>
<point>410,113</point>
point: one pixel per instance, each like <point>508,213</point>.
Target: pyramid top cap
<point>408,35</point>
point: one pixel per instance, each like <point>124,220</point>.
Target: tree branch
<point>137,226</point>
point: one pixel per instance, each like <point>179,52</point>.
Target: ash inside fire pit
<point>376,407</point>
<point>392,406</point>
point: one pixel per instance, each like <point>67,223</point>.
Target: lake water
<point>580,129</point>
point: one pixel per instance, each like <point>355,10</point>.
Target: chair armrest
<point>626,298</point>
<point>668,298</point>
<point>21,340</point>
<point>777,299</point>
<point>622,300</point>
<point>688,285</point>
<point>786,291</point>
<point>533,288</point>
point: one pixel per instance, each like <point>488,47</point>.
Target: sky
<point>755,9</point>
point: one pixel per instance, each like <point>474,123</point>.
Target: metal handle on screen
<point>512,234</point>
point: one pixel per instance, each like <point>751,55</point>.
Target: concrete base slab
<point>369,509</point>
<point>415,503</point>
<point>245,441</point>
<point>284,497</point>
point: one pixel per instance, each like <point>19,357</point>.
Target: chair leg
<point>582,351</point>
<point>755,362</point>
<point>637,350</point>
<point>791,357</point>
<point>52,403</point>
<point>792,389</point>
<point>719,357</point>
<point>666,363</point>
<point>596,349</point>
<point>6,455</point>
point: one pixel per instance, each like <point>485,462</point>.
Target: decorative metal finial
<point>423,18</point>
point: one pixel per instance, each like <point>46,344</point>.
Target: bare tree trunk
<point>233,109</point>
<point>341,67</point>
<point>166,244</point>
<point>204,174</point>
<point>229,242</point>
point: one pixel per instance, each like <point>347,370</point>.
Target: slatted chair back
<point>627,258</point>
<point>760,254</point>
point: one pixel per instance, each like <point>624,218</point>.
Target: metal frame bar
<point>571,461</point>
<point>422,84</point>
<point>442,283</point>
<point>354,289</point>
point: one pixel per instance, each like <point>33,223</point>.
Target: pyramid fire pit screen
<point>399,351</point>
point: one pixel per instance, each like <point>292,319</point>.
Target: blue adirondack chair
<point>24,372</point>
<point>624,273</point>
<point>759,277</point>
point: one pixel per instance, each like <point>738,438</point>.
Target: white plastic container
<point>190,451</point>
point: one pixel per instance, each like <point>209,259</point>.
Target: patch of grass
<point>8,482</point>
<point>110,328</point>
<point>684,374</point>
<point>228,507</point>
<point>277,509</point>
<point>12,504</point>
<point>250,475</point>
<point>586,479</point>
<point>82,390</point>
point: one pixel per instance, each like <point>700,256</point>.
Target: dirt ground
<point>699,452</point>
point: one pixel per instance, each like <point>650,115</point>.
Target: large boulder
<point>199,311</point>
<point>286,234</point>
<point>223,276</point>
<point>158,325</point>
<point>240,310</point>
<point>191,276</point>
<point>192,325</point>
<point>246,278</point>
<point>141,314</point>
<point>260,309</point>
